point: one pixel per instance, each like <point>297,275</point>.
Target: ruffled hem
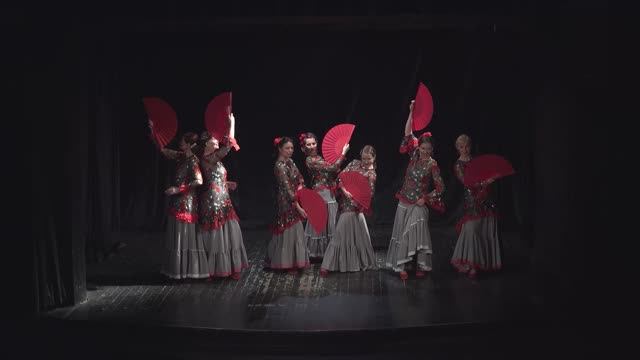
<point>466,265</point>
<point>300,265</point>
<point>229,273</point>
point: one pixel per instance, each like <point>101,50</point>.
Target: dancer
<point>350,249</point>
<point>219,229</point>
<point>410,238</point>
<point>185,253</point>
<point>478,245</point>
<point>287,249</point>
<point>323,180</point>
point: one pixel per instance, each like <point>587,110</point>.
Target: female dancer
<point>478,246</point>
<point>351,249</point>
<point>410,238</point>
<point>219,229</point>
<point>323,180</point>
<point>186,256</point>
<point>287,249</point>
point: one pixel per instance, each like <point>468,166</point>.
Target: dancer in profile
<point>478,245</point>
<point>185,253</point>
<point>350,248</point>
<point>323,180</point>
<point>287,249</point>
<point>219,229</point>
<point>410,239</point>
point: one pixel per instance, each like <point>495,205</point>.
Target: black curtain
<point>286,82</point>
<point>515,90</point>
<point>572,163</point>
<point>103,151</point>
<point>57,109</point>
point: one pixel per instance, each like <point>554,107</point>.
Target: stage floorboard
<point>128,288</point>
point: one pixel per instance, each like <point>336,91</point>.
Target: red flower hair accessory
<point>427,134</point>
<point>301,138</point>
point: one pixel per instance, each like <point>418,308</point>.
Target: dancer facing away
<point>410,239</point>
<point>185,253</point>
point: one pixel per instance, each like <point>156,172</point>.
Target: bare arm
<point>197,176</point>
<point>408,130</point>
<point>170,154</point>
<point>300,210</point>
<point>232,126</point>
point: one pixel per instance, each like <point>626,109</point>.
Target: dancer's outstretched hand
<point>347,194</point>
<point>172,190</point>
<point>345,148</point>
<point>301,211</point>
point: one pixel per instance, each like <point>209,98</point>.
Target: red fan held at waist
<point>358,185</point>
<point>422,108</point>
<point>163,120</point>
<point>334,140</point>
<point>216,117</point>
<point>315,208</point>
<point>485,167</point>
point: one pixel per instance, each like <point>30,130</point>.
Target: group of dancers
<point>204,239</point>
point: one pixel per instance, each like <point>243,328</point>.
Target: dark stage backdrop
<point>516,90</point>
<point>285,82</point>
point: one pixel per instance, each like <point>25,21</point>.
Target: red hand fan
<point>358,185</point>
<point>164,122</point>
<point>485,167</point>
<point>334,140</point>
<point>422,108</point>
<point>216,117</point>
<point>315,208</point>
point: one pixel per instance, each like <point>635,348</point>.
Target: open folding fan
<point>164,122</point>
<point>334,140</point>
<point>485,167</point>
<point>216,117</point>
<point>358,185</point>
<point>315,208</point>
<point>422,108</point>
